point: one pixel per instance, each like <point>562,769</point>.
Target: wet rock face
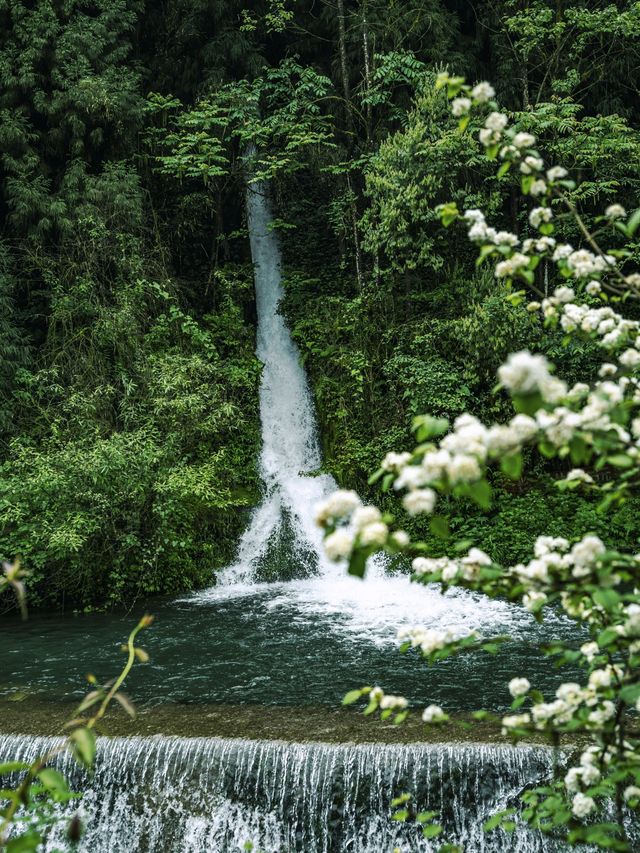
<point>209,794</point>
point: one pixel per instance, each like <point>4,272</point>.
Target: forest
<point>129,423</point>
<point>217,215</point>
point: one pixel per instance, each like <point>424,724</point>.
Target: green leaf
<point>401,815</point>
<point>633,223</point>
<point>27,843</point>
<point>426,427</point>
<point>53,780</point>
<point>424,817</point>
<point>352,696</point>
<point>607,598</point>
<point>511,465</point>
<point>620,460</point>
<point>358,564</point>
<point>12,766</point>
<point>84,746</point>
<point>480,492</point>
<point>527,404</point>
<point>432,830</point>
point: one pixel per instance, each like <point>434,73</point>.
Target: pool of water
<point>303,642</point>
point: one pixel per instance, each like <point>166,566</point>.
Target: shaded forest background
<point>129,428</point>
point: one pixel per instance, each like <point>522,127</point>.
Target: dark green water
<point>281,644</point>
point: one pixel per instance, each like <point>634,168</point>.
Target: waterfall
<point>290,456</point>
<point>282,527</point>
<point>207,795</point>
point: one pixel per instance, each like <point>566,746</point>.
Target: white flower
<point>473,215</point>
<point>434,464</point>
<point>539,215</point>
<point>524,140</point>
<point>630,358</point>
<point>538,187</point>
<point>411,477</point>
<point>420,501</point>
<point>460,106</point>
<point>531,164</point>
<point>593,288</point>
<point>631,793</point>
<point>562,252</point>
<point>579,474</point>
<point>582,805</point>
<point>482,92</point>
<point>376,694</point>
<point>533,601</point>
<point>570,692</point>
<point>519,687</point>
<point>524,373</point>
<point>395,461</point>
<point>401,538</point>
<point>463,469</point>
<point>374,534</point>
<point>511,265</point>
<point>390,702</point>
<point>587,551</point>
<point>556,173</point>
<point>515,721</point>
<point>564,294</point>
<point>473,563</point>
<point>549,544</point>
<point>505,238</point>
<point>364,515</point>
<point>572,779</point>
<point>496,121</point>
<point>601,715</point>
<point>339,505</point>
<point>338,544</point>
<point>590,650</point>
<point>615,211</point>
<point>600,678</point>
<point>433,714</point>
<point>488,137</point>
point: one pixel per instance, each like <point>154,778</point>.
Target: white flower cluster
<point>524,373</point>
<point>539,215</point>
<point>433,714</point>
<point>480,232</point>
<point>553,560</point>
<point>387,701</point>
<point>366,524</point>
<point>519,687</point>
<point>429,640</point>
<point>467,568</point>
<point>613,330</point>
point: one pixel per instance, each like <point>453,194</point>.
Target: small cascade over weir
<point>184,795</point>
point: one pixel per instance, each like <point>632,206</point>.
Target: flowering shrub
<point>593,427</point>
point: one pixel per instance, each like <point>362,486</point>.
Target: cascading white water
<point>199,795</point>
<point>290,456</point>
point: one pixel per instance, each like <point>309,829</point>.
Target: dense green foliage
<point>128,425</point>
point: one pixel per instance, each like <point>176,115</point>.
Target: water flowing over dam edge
<point>214,794</point>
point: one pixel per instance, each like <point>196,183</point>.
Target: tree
<point>595,425</point>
